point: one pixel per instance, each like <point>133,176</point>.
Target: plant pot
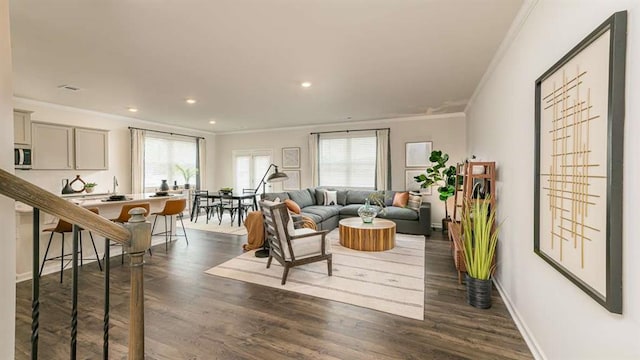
<point>89,189</point>
<point>478,292</point>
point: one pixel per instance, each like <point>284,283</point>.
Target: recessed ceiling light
<point>132,109</point>
<point>191,101</point>
<point>212,122</point>
<point>306,84</point>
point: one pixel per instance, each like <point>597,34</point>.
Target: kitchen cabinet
<point>22,127</point>
<point>91,149</point>
<point>52,146</point>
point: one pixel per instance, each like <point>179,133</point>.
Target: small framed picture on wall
<point>293,182</point>
<point>417,154</point>
<point>291,157</point>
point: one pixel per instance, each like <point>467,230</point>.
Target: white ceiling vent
<point>68,87</point>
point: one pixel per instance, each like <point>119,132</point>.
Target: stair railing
<point>135,236</point>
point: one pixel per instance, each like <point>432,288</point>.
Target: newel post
<point>139,243</point>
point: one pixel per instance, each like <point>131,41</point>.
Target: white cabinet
<point>91,149</point>
<point>22,127</point>
<point>52,146</point>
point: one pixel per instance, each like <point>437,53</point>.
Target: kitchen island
<point>107,209</point>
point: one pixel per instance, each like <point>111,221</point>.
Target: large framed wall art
<point>579,115</point>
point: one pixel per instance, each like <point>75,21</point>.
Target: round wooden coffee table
<point>377,236</point>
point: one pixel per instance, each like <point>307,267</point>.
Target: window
<point>250,166</point>
<point>348,160</point>
<point>162,154</point>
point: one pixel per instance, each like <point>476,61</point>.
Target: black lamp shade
<point>277,177</point>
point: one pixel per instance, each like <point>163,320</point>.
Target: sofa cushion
<point>358,196</point>
<point>324,212</point>
<point>398,213</point>
<point>330,198</point>
<point>341,196</point>
<point>272,196</point>
<point>388,197</point>
<point>400,199</point>
<point>415,200</point>
<point>302,197</point>
<point>292,206</point>
<point>350,210</point>
<point>316,218</point>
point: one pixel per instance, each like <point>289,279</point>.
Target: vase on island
<point>367,212</point>
<point>164,186</point>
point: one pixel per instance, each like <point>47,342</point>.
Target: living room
<point>557,319</point>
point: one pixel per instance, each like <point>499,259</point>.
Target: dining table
<point>239,197</point>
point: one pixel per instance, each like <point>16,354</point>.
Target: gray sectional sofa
<point>311,202</point>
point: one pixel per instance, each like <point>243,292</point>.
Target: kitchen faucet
<point>115,184</point>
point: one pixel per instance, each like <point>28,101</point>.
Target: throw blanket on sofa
<point>255,229</point>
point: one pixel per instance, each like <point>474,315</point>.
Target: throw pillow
<point>414,202</point>
<point>330,198</point>
<point>400,199</point>
<point>293,206</point>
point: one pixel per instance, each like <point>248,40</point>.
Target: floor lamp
<point>275,177</point>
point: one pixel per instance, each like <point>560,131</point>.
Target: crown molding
<point>512,33</point>
<point>364,122</point>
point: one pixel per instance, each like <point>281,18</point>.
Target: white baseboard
<point>535,349</point>
<point>54,267</point>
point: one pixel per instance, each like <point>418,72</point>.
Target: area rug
<point>225,227</point>
<point>391,281</point>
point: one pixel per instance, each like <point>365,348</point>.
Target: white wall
<point>7,218</point>
<point>561,320</point>
<point>119,146</point>
<point>446,131</point>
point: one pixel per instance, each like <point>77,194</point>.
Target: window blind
<point>347,160</point>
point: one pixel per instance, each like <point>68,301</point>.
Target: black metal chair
<point>247,204</point>
<point>201,200</point>
<point>227,204</point>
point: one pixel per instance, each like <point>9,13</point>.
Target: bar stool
<point>124,217</point>
<point>61,228</point>
<point>171,208</point>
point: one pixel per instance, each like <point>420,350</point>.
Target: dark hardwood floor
<point>191,315</point>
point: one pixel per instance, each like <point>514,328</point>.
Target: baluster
<point>35,285</point>
<point>139,243</point>
<point>74,293</point>
<point>105,336</point>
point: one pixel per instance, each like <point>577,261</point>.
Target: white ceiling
<point>244,60</point>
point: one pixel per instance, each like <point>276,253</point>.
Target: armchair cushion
<point>306,246</point>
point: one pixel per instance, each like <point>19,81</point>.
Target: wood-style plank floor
<point>191,315</point>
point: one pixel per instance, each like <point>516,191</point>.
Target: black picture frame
<point>616,25</point>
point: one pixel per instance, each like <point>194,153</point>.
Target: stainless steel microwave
<point>22,158</point>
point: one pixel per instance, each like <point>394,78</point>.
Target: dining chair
<point>247,204</point>
<point>202,201</point>
<point>228,204</point>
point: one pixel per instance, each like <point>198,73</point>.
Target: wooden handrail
<point>18,189</point>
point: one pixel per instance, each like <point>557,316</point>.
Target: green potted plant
<point>442,175</point>
<point>187,173</point>
<point>479,238</point>
<point>89,187</point>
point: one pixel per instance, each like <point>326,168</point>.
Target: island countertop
<point>101,200</point>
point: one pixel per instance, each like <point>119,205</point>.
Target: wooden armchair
<point>292,247</point>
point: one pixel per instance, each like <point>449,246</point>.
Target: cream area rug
<point>391,281</point>
<point>225,227</point>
